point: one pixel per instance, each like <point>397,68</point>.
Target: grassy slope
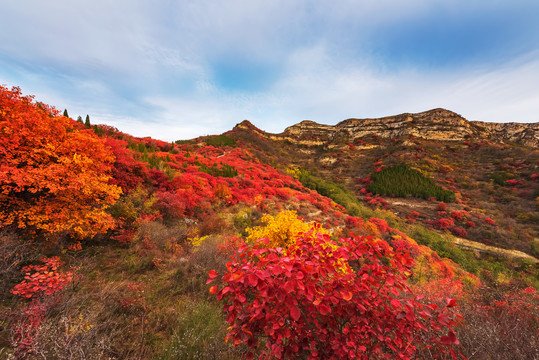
<point>148,298</point>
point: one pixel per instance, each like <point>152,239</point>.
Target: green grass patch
<point>200,334</point>
<point>222,170</point>
<point>336,192</point>
<point>220,140</point>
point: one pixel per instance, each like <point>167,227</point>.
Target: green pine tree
<point>79,119</point>
<point>87,122</point>
<point>65,113</point>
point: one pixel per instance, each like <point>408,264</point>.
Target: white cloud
<point>148,67</point>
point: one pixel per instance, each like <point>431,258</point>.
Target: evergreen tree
<point>65,113</point>
<point>79,119</point>
<point>87,122</point>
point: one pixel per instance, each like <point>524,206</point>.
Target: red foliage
<point>170,205</point>
<point>412,217</point>
<point>126,171</point>
<point>441,206</point>
<point>124,236</point>
<point>457,231</point>
<point>514,182</point>
<point>53,173</point>
<point>307,304</point>
<point>459,215</point>
<point>444,223</point>
<point>42,280</point>
<point>380,224</point>
<point>353,222</point>
<point>470,224</point>
<point>489,221</point>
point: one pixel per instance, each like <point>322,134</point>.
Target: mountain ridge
<point>436,124</point>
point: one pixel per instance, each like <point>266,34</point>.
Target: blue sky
<point>179,69</point>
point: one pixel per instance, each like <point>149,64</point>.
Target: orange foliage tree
<point>53,173</point>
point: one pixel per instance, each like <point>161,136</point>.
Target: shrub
<point>327,301</point>
<point>444,223</point>
<point>281,230</point>
<point>400,180</point>
<point>412,217</point>
<point>220,140</point>
<point>501,327</point>
<point>457,231</point>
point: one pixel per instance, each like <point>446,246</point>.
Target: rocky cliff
<point>437,125</point>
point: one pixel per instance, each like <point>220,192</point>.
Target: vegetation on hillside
<point>401,181</point>
<point>169,249</point>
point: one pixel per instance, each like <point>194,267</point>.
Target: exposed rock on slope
<point>437,124</point>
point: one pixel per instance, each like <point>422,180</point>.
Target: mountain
<point>367,239</point>
<point>435,125</point>
<point>493,168</point>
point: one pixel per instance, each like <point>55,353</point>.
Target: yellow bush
<point>197,240</point>
<point>282,229</point>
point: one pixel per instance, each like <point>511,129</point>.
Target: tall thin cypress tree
<point>87,122</point>
<point>65,113</point>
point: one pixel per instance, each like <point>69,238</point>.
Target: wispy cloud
<point>179,69</point>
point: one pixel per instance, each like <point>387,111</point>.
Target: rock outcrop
<point>437,125</point>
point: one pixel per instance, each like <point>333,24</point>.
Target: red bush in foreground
<point>44,279</point>
<point>323,300</point>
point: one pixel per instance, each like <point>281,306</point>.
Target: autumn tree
<point>53,174</point>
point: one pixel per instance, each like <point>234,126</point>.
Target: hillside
<point>321,242</point>
<point>492,168</point>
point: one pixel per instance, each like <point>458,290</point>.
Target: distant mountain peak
<point>437,124</point>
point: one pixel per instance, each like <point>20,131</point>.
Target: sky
<point>178,69</point>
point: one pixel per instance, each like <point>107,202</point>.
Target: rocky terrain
<point>436,124</point>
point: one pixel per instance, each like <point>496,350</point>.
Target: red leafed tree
<point>53,173</point>
<point>323,300</point>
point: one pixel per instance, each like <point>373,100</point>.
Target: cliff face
<point>437,125</point>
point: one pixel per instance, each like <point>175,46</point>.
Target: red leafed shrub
<point>457,231</point>
<point>352,221</point>
<point>514,182</point>
<point>126,171</point>
<point>412,217</point>
<point>441,206</point>
<point>41,280</point>
<point>459,215</point>
<point>124,236</point>
<point>444,223</point>
<point>470,224</point>
<point>323,300</point>
<point>489,221</point>
<point>380,224</point>
<point>170,205</point>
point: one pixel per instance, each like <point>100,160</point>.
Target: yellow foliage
<point>196,241</point>
<point>294,172</point>
<point>76,326</point>
<point>372,229</point>
<point>282,229</point>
